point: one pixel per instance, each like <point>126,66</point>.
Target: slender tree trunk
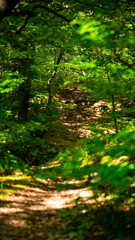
<point>114,114</point>
<point>113,105</point>
<point>23,98</point>
<point>112,99</point>
<point>54,75</point>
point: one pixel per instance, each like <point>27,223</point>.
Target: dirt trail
<point>29,209</point>
<point>84,112</point>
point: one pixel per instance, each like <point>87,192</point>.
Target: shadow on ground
<point>35,209</point>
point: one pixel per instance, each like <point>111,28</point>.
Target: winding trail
<point>29,208</point>
<point>82,111</point>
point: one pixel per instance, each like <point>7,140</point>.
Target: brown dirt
<point>29,209</point>
<point>84,112</point>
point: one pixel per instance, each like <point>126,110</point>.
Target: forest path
<point>33,209</point>
<point>29,208</point>
<point>82,110</point>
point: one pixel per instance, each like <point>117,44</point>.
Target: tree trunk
<point>23,98</point>
<point>114,114</point>
<point>113,105</point>
<point>54,75</point>
<point>6,7</point>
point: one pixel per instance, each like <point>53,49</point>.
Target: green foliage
<point>105,163</point>
<point>98,47</point>
<point>34,143</point>
<point>22,145</point>
<point>104,221</point>
<point>52,112</point>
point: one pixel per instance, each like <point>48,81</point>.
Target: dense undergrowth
<point>34,143</point>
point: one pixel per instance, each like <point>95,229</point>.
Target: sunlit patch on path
<point>37,199</point>
<point>28,208</point>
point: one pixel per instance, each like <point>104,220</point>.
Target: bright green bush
<point>105,163</point>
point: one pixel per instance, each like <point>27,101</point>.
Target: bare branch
<point>19,4</point>
<point>31,14</point>
<point>55,13</point>
<point>24,24</point>
<point>61,53</point>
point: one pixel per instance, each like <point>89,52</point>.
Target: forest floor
<point>80,114</point>
<point>30,208</point>
<point>35,209</point>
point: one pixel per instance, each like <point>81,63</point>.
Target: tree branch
<point>7,7</point>
<point>61,53</point>
<point>55,13</point>
<point>19,4</point>
<point>31,14</point>
<point>24,24</point>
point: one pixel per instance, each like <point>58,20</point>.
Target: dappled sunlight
<point>37,199</point>
<point>78,120</point>
<point>19,206</point>
<point>8,210</point>
<point>18,223</point>
<point>35,207</point>
<point>36,204</point>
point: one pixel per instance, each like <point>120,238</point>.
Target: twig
<point>31,14</point>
